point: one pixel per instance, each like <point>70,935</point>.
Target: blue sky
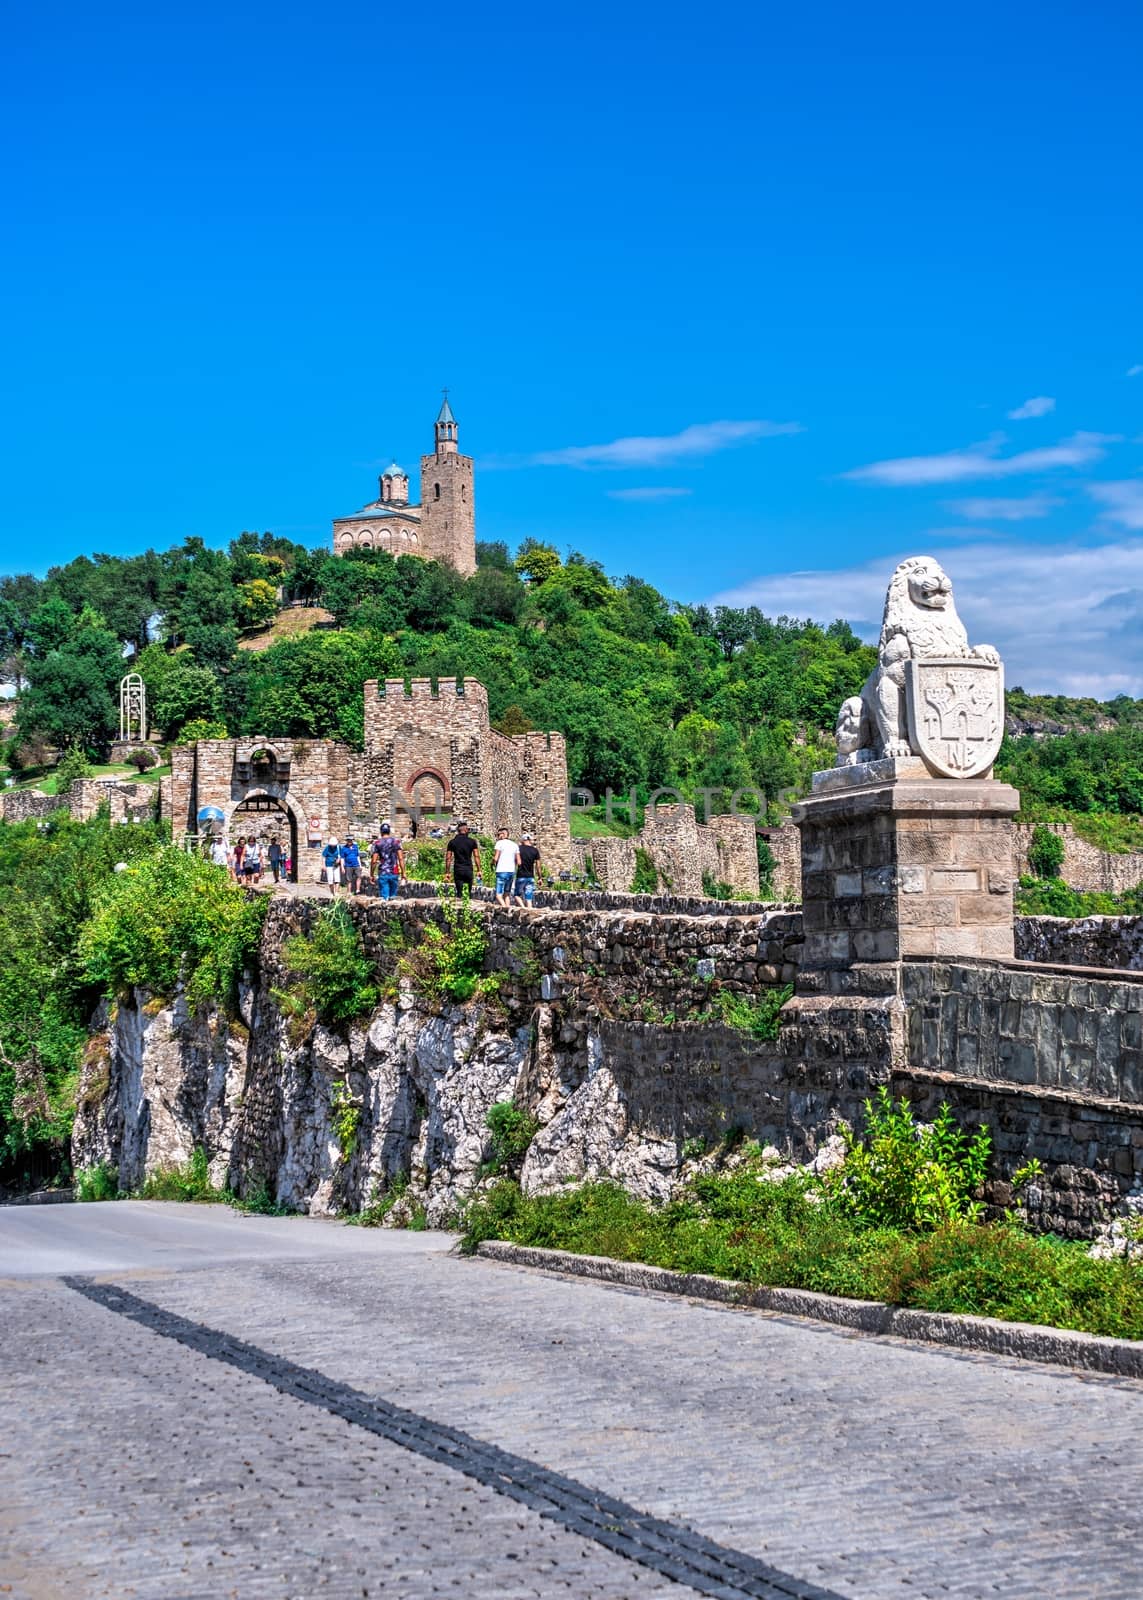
<point>750,301</point>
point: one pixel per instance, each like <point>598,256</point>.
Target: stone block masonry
<point>908,865</point>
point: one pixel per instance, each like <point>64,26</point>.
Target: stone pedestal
<point>898,863</point>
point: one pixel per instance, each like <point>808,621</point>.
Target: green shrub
<point>906,1174</point>
<point>201,728</point>
<point>189,1181</point>
<point>428,862</point>
<point>716,888</point>
<point>1052,897</point>
<point>448,964</point>
<point>100,1182</point>
<point>51,876</point>
<point>73,764</point>
<point>258,1201</point>
<point>172,917</point>
<point>1046,852</point>
<point>346,1118</point>
<point>512,1130</point>
<point>760,1018</point>
<point>734,1226</point>
<point>646,879</point>
<point>767,861</point>
<point>329,971</point>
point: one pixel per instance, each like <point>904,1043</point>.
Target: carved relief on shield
<point>956,714</point>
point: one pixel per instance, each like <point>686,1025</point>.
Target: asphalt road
<point>197,1403</point>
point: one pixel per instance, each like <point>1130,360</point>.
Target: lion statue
<point>920,621</point>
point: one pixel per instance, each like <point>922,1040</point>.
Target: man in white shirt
<point>506,855</point>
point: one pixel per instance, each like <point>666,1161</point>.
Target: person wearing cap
<point>528,870</point>
<point>331,865</point>
<point>462,859</point>
<point>389,855</point>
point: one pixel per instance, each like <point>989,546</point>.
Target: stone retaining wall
<point>609,900</point>
<point>1112,942</point>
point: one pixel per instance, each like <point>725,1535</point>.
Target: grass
<point>1117,834</point>
<point>592,825</point>
<point>786,1235</point>
<point>44,778</point>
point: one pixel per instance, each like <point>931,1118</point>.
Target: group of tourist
<point>517,866</point>
<point>346,864</point>
<point>251,858</point>
<point>342,864</point>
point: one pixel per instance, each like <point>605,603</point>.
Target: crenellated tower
<point>448,511</point>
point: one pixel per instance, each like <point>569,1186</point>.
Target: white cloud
<point>648,494</point>
<point>1067,618</point>
<point>1038,406</point>
<point>982,461</point>
<point>1004,510</point>
<point>1123,501</point>
<point>661,450</point>
<point>1136,370</point>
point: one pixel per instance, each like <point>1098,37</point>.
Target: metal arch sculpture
<point>132,710</point>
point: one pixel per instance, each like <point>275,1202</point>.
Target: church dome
<point>395,472</point>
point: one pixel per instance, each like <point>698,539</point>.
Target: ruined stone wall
<point>612,861</point>
<point>786,847</point>
<point>728,851</point>
<point>670,837</point>
<point>1085,866</point>
<point>24,805</point>
<point>126,802</point>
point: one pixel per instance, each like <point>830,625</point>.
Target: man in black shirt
<point>462,858</point>
<point>528,871</point>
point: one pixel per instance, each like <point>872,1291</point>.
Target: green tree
<point>538,561</point>
<point>185,693</point>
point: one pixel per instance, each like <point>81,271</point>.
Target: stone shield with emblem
<point>956,714</point>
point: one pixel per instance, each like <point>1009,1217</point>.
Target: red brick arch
<point>430,772</point>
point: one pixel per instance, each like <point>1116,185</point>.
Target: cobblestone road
<point>131,1466</point>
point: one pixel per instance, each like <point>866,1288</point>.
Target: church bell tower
<point>448,511</point>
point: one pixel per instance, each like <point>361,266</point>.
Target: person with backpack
<point>351,865</point>
<point>331,865</point>
<point>276,856</point>
<point>528,871</point>
<point>389,855</point>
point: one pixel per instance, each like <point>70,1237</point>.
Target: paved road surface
<point>143,1453</point>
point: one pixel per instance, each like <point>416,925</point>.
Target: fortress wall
<point>444,712</point>
<point>786,847</point>
<point>1085,866</point>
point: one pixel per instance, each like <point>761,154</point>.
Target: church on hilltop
<point>441,528</point>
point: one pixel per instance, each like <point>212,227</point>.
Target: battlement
<point>422,689</point>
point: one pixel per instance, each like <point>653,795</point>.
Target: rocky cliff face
<point>326,1121</point>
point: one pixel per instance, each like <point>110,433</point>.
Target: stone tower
<point>448,512</point>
